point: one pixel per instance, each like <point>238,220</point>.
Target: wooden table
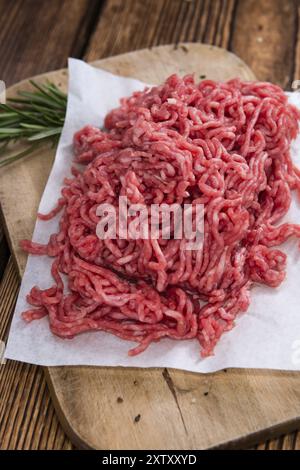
<point>264,33</point>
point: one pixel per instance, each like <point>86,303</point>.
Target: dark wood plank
<point>39,35</point>
<point>136,24</point>
<point>287,442</point>
<point>264,35</point>
<point>27,417</point>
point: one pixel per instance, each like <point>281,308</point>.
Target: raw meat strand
<point>53,212</point>
<point>224,145</point>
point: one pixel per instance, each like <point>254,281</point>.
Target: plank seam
<point>232,25</point>
<point>90,19</point>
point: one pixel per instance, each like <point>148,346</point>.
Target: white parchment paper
<point>266,336</point>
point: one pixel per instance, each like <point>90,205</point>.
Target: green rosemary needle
<point>34,117</point>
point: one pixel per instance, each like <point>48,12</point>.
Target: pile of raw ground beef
<point>224,145</point>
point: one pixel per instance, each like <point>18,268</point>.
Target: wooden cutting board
<point>118,408</point>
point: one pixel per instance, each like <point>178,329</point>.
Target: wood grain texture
<point>131,25</point>
<point>177,409</point>
<point>127,25</point>
<point>265,36</point>
<point>60,29</point>
<point>27,417</point>
<point>263,33</point>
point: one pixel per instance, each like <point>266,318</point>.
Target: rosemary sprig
<point>34,117</point>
